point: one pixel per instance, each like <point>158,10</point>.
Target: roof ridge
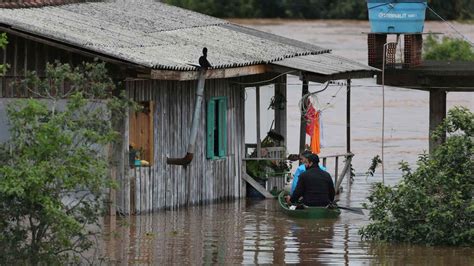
<point>190,27</point>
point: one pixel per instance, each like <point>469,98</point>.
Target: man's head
<point>204,51</point>
<point>304,157</point>
<point>313,159</point>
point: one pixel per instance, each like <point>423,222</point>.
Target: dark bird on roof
<point>203,59</point>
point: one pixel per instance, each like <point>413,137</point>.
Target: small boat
<point>307,212</point>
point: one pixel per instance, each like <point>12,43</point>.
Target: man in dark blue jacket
<point>314,185</point>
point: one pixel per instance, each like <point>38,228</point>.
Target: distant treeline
<point>314,9</point>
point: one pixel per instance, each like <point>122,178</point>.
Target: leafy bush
<point>434,204</point>
<point>451,9</point>
<point>447,49</point>
<point>3,44</point>
<point>54,171</point>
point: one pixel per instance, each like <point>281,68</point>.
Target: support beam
<point>281,114</point>
<point>437,114</point>
<point>348,125</point>
<point>259,140</point>
<point>304,91</point>
<point>348,116</point>
<point>257,186</point>
<point>210,73</point>
<point>431,75</point>
<point>345,170</point>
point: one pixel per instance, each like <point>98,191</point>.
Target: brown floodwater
<point>255,231</point>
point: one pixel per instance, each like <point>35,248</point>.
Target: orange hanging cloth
<point>315,137</point>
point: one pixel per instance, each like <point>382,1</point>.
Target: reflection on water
<point>256,232</point>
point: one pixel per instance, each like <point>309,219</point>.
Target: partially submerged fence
<point>274,180</point>
<point>338,165</point>
<point>346,169</point>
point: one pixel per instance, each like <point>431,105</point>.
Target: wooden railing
<point>331,162</point>
<point>268,153</point>
<point>338,178</point>
<point>273,180</point>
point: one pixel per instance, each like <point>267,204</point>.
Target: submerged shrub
<point>432,205</point>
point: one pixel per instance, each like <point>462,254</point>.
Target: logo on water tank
<point>396,15</point>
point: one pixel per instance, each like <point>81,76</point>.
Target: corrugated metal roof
<point>324,64</point>
<point>154,34</point>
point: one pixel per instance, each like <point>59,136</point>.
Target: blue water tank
<point>396,16</point>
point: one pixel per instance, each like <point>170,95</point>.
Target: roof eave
<point>358,74</point>
<point>321,78</point>
<point>220,73</point>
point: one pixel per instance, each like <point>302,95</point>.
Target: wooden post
<point>25,63</point>
<point>303,120</point>
<point>15,57</point>
<point>348,116</point>
<point>280,114</point>
<point>118,164</point>
<point>259,142</point>
<point>348,125</point>
<point>437,114</point>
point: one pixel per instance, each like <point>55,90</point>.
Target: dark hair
<point>313,158</point>
<point>306,153</point>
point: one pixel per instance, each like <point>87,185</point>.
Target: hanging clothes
<point>315,137</point>
<point>312,117</point>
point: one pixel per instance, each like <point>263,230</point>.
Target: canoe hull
<point>308,212</point>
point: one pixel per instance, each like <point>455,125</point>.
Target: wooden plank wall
<point>26,55</point>
<point>163,186</point>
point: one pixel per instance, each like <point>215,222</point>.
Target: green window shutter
<point>222,127</point>
<point>211,107</point>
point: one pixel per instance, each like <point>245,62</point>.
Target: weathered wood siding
<point>165,186</point>
<point>171,186</point>
<point>22,55</point>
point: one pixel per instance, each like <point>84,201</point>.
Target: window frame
<point>134,134</point>
<point>216,121</point>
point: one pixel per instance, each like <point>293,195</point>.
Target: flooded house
<point>187,144</point>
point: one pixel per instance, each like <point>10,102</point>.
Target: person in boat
<point>301,168</point>
<point>314,185</point>
<point>303,158</point>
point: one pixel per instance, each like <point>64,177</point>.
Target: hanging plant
<point>278,102</point>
